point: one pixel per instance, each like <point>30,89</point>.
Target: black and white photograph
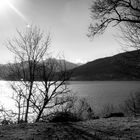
<point>69,69</point>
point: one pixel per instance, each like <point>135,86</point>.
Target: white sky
<point>67,21</point>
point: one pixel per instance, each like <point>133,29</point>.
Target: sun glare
<point>3,5</point>
<point>7,4</point>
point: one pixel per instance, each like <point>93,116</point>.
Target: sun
<point>8,4</point>
<point>4,4</point>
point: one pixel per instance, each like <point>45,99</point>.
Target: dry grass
<point>101,129</point>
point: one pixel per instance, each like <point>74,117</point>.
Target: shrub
<point>21,121</point>
<point>131,106</point>
<point>5,122</point>
<point>64,117</point>
<point>107,109</point>
<point>115,114</point>
<point>76,110</point>
<point>83,109</point>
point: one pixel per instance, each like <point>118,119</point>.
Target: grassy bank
<point>124,128</point>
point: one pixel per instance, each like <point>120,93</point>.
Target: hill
<point>123,66</point>
<point>64,63</point>
<point>7,73</point>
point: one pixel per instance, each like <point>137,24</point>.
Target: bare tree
<point>54,89</point>
<point>6,116</point>
<point>19,100</point>
<point>132,105</point>
<point>114,12</point>
<point>125,13</point>
<point>29,48</point>
<point>32,63</point>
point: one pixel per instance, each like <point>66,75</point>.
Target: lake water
<point>98,93</point>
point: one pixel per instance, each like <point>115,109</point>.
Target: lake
<point>98,93</point>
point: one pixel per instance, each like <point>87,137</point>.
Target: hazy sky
<point>66,20</point>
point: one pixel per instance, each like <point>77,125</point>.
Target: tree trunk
<point>39,115</point>
<point>28,102</point>
<point>19,112</point>
<point>41,111</point>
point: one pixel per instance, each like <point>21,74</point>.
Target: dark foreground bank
<point>100,129</point>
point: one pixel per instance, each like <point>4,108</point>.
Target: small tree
<point>19,100</point>
<point>31,64</point>
<point>54,90</point>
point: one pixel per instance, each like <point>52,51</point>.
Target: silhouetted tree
<point>54,90</point>
<point>31,64</point>
<point>114,12</point>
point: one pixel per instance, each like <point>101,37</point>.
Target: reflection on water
<point>97,92</point>
<point>6,95</point>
